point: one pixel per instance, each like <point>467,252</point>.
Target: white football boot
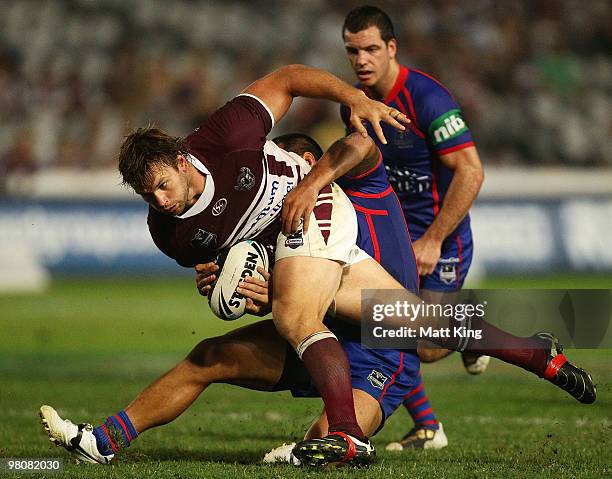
<point>282,455</point>
<point>421,438</point>
<point>77,439</point>
<point>475,363</point>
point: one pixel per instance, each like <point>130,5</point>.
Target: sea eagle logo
<point>245,180</point>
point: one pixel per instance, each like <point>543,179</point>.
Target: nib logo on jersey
<point>447,126</point>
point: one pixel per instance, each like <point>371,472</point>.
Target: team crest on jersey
<point>377,379</point>
<point>245,180</point>
<point>402,140</point>
<point>219,207</point>
<point>448,270</point>
<point>203,238</point>
<point>295,240</point>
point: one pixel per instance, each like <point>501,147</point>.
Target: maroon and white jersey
<point>247,178</point>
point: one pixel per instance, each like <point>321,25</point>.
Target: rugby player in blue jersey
<point>433,167</point>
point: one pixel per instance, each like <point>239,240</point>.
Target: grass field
<point>88,347</point>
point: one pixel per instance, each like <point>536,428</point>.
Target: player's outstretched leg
<point>565,375</point>
<point>336,448</point>
<point>77,439</point>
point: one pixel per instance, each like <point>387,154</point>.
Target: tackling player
<point>433,166</point>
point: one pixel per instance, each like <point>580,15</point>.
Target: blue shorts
<point>453,266</point>
<point>387,375</point>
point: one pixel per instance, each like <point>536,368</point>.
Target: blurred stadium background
<point>534,79</point>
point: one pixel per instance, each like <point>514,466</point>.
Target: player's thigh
<point>430,352</point>
<point>252,356</point>
<point>365,275</point>
<point>304,287</point>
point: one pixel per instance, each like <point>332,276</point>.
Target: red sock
<point>528,353</point>
<point>330,372</point>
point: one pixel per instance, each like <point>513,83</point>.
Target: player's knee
<point>283,327</point>
<point>286,320</point>
<point>296,323</point>
<point>208,353</point>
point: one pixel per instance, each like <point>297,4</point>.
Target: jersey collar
<point>399,83</point>
<point>209,189</point>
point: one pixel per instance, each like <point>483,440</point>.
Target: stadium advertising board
<point>107,237</point>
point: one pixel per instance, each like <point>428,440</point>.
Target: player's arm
<point>463,189</point>
<point>278,89</point>
<point>350,155</point>
<point>353,154</point>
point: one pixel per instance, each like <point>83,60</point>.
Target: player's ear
<point>392,48</point>
<point>181,162</point>
<point>310,158</point>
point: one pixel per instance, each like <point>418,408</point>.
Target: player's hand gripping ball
<point>236,264</point>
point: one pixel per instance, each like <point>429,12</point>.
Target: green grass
<point>89,347</point>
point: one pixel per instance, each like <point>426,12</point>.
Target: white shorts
<point>332,231</point>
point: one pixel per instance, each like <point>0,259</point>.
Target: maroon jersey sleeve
<point>241,123</point>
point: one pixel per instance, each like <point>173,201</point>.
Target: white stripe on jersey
<point>272,191</point>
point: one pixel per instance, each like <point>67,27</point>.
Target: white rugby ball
<point>241,261</point>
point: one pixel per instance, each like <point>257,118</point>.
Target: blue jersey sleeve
<point>373,181</point>
<point>439,116</point>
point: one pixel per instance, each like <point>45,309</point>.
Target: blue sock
<point>114,434</point>
<point>419,408</point>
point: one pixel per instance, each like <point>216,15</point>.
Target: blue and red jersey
<point>411,157</point>
<point>382,232</point>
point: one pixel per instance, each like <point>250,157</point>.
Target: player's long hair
<point>145,149</point>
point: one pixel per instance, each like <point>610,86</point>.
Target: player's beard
<point>185,204</point>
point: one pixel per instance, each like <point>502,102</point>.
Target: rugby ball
<point>240,261</point>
